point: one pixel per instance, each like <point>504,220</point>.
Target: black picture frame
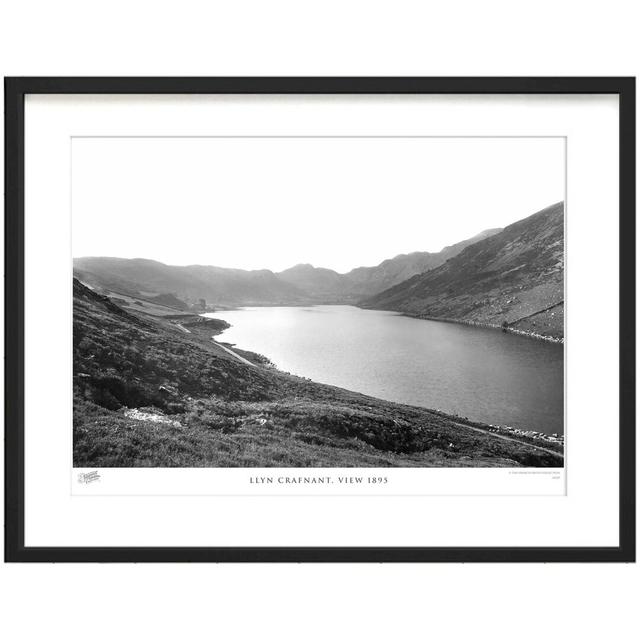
<point>15,91</point>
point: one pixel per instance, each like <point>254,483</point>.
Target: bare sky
<point>270,203</point>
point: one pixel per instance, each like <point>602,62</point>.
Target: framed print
<point>320,319</point>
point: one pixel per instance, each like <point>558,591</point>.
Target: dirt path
<point>557,454</point>
<point>234,354</point>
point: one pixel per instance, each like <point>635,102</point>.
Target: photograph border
<point>15,91</point>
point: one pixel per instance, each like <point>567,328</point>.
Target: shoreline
<point>487,325</point>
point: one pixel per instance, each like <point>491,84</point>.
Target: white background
<point>328,38</point>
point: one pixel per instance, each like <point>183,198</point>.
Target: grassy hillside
<point>513,278</point>
<point>151,392</point>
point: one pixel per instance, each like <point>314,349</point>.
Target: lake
<point>482,374</point>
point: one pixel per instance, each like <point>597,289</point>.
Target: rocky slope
<point>514,278</point>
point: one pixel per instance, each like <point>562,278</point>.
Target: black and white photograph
<point>318,301</point>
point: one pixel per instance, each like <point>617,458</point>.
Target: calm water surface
<point>479,373</point>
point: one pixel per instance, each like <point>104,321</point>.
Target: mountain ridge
<point>301,284</point>
<point>513,279</point>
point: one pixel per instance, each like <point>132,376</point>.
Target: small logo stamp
<point>88,477</point>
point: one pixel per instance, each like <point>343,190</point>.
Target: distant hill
<point>370,280</point>
<point>180,287</point>
<point>515,276</point>
<point>367,281</point>
<point>149,278</point>
<point>316,282</point>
